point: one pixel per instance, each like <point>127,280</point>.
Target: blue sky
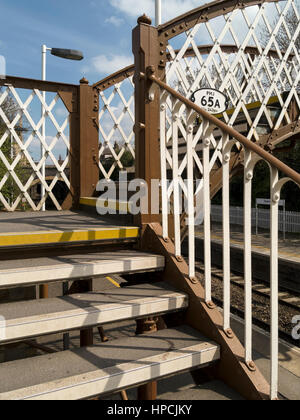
<point>100,28</point>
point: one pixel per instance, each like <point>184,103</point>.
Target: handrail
<point>272,160</point>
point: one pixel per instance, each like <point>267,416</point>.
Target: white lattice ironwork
<point>259,72</point>
<point>254,59</point>
<point>116,127</point>
<point>24,150</point>
<point>215,143</point>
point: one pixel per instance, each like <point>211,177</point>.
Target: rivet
<point>210,305</point>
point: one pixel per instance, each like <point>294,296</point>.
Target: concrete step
<point>36,230</point>
<point>56,237</point>
<point>29,272</point>
<point>107,368</point>
<point>49,316</point>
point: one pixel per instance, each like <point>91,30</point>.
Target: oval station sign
<point>210,100</point>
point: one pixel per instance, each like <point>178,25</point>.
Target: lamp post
<point>158,19</point>
<point>67,55</point>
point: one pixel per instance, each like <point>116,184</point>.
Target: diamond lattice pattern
<point>25,150</point>
<point>116,126</point>
<point>254,60</point>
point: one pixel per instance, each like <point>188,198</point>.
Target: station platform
<point>52,227</point>
<point>288,261</point>
<point>289,249</point>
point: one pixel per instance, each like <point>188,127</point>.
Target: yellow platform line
<point>111,205</point>
<point>36,238</point>
<point>113,282</point>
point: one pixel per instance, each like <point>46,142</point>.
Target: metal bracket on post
<point>251,366</point>
<point>229,333</point>
<point>210,305</point>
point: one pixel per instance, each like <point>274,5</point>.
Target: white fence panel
<point>292,219</point>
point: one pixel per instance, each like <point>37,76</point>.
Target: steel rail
<point>272,160</point>
<point>283,335</point>
<point>238,280</point>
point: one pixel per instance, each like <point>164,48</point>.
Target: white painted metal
<point>176,191</point>
<point>97,265</point>
<point>248,176</point>
<point>206,205</point>
<point>43,171</point>
<point>226,232</point>
<point>244,78</point>
<point>289,218</point>
<point>116,126</point>
<point>274,284</point>
<point>27,103</point>
<point>190,196</point>
<point>158,14</point>
<point>164,186</point>
<point>261,89</point>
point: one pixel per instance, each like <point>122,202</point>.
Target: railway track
<point>286,297</point>
<point>287,300</point>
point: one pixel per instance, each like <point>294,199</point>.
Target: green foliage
<point>10,190</point>
<point>127,161</point>
<point>261,182</point>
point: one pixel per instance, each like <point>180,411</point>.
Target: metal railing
<point>289,221</point>
<point>116,122</point>
<point>34,140</point>
<point>182,116</point>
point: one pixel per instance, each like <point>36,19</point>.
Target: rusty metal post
<point>86,335</point>
<point>146,53</point>
<point>89,139</point>
<point>147,392</point>
<point>44,291</point>
<point>146,50</point>
<point>71,101</point>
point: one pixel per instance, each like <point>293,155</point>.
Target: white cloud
<point>61,112</point>
<point>170,8</point>
<point>114,20</point>
<point>111,63</point>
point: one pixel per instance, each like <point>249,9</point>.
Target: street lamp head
<point>67,54</point>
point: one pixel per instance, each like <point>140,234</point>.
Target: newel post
<point>146,50</point>
<point>89,139</point>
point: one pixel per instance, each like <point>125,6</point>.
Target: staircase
<point>95,370</point>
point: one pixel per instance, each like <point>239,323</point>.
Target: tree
<point>10,189</point>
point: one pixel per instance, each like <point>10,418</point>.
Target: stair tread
<point>39,270</point>
<point>46,316</point>
<point>108,367</point>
